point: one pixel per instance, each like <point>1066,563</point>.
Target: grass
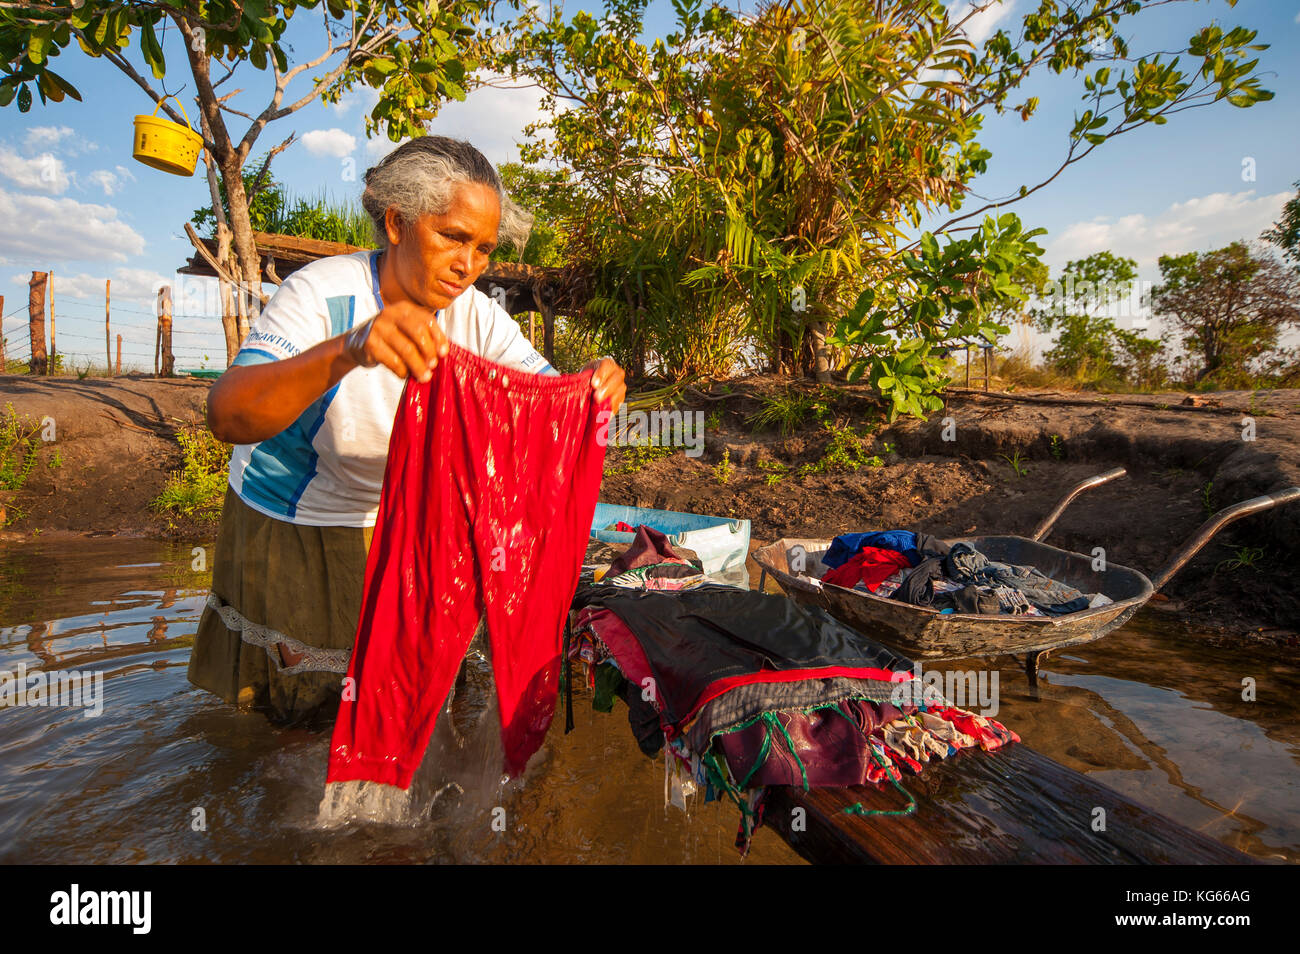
<point>638,454</point>
<point>1245,558</point>
<point>775,470</point>
<point>18,446</point>
<point>1206,500</point>
<point>845,451</point>
<point>784,412</point>
<point>723,471</point>
<point>199,487</point>
<point>1017,463</point>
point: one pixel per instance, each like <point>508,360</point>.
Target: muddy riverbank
<point>987,463</point>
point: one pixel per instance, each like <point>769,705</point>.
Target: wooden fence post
<point>36,322</point>
<point>53,363</point>
<point>108,341</point>
<point>168,365</point>
<point>119,354</point>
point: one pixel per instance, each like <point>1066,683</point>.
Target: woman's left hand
<point>607,381</point>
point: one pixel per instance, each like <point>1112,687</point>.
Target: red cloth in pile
<point>871,565</point>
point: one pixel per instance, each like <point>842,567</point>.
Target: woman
<point>309,402</point>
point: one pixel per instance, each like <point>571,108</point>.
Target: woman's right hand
<point>404,337</point>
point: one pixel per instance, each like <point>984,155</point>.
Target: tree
<point>1285,233</point>
<point>410,51</point>
<point>1082,306</point>
<point>1231,306</point>
<point>757,176</point>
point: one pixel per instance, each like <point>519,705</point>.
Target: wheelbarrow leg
<point>1032,662</point>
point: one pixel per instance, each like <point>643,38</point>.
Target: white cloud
<point>108,181</point>
<point>363,96</point>
<point>981,26</point>
<point>329,142</point>
<point>65,137</point>
<point>492,118</point>
<point>44,229</point>
<point>44,137</point>
<point>379,147</point>
<point>43,173</point>
<point>1198,224</point>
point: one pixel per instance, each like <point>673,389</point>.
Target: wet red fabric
<point>871,565</point>
<point>487,503</point>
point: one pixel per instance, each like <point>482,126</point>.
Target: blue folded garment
<point>844,547</point>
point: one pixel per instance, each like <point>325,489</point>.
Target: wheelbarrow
<point>921,632</point>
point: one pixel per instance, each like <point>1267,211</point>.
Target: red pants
<point>487,504</point>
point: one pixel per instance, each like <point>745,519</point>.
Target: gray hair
<point>419,177</point>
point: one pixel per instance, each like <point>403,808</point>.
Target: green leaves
<point>151,49</point>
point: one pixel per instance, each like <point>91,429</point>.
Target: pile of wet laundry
<point>742,690</point>
<point>923,570</point>
<point>648,562</point>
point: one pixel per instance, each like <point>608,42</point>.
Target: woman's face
<point>440,256</point>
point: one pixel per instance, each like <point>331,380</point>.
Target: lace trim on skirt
<point>314,659</point>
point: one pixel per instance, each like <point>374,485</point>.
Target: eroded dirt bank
<point>988,463</point>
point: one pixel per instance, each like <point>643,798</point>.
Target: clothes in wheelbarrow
<point>920,569</point>
<point>487,502</point>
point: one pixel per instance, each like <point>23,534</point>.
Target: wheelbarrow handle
<point>1216,523</point>
<point>1045,524</point>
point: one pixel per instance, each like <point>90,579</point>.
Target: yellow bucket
<point>166,145</point>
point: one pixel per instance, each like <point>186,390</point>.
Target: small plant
<point>714,421</point>
<point>723,470</point>
<point>1245,558</point>
<point>56,461</point>
<point>83,372</point>
<point>845,451</point>
<point>199,488</point>
<point>1057,447</point>
<point>785,412</point>
<point>18,446</point>
<point>1207,501</point>
<point>1161,406</point>
<point>775,471</point>
<point>888,447</point>
<point>1017,463</point>
<point>638,454</point>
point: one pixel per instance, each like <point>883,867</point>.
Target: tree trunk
<point>230,161</point>
<point>249,268</point>
<point>229,313</point>
<point>36,322</point>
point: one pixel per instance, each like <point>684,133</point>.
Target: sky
<point>74,202</point>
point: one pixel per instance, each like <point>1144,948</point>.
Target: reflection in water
<point>170,773</point>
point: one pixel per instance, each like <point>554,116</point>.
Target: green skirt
<point>276,583</point>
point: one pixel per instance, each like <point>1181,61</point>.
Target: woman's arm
<point>251,403</point>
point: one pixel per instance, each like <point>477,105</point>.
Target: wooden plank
<point>1012,806</point>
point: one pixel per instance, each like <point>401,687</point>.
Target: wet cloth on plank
<point>740,680</point>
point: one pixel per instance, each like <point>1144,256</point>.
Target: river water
<point>168,773</point>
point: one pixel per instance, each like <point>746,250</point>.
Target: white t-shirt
<point>326,468</point>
